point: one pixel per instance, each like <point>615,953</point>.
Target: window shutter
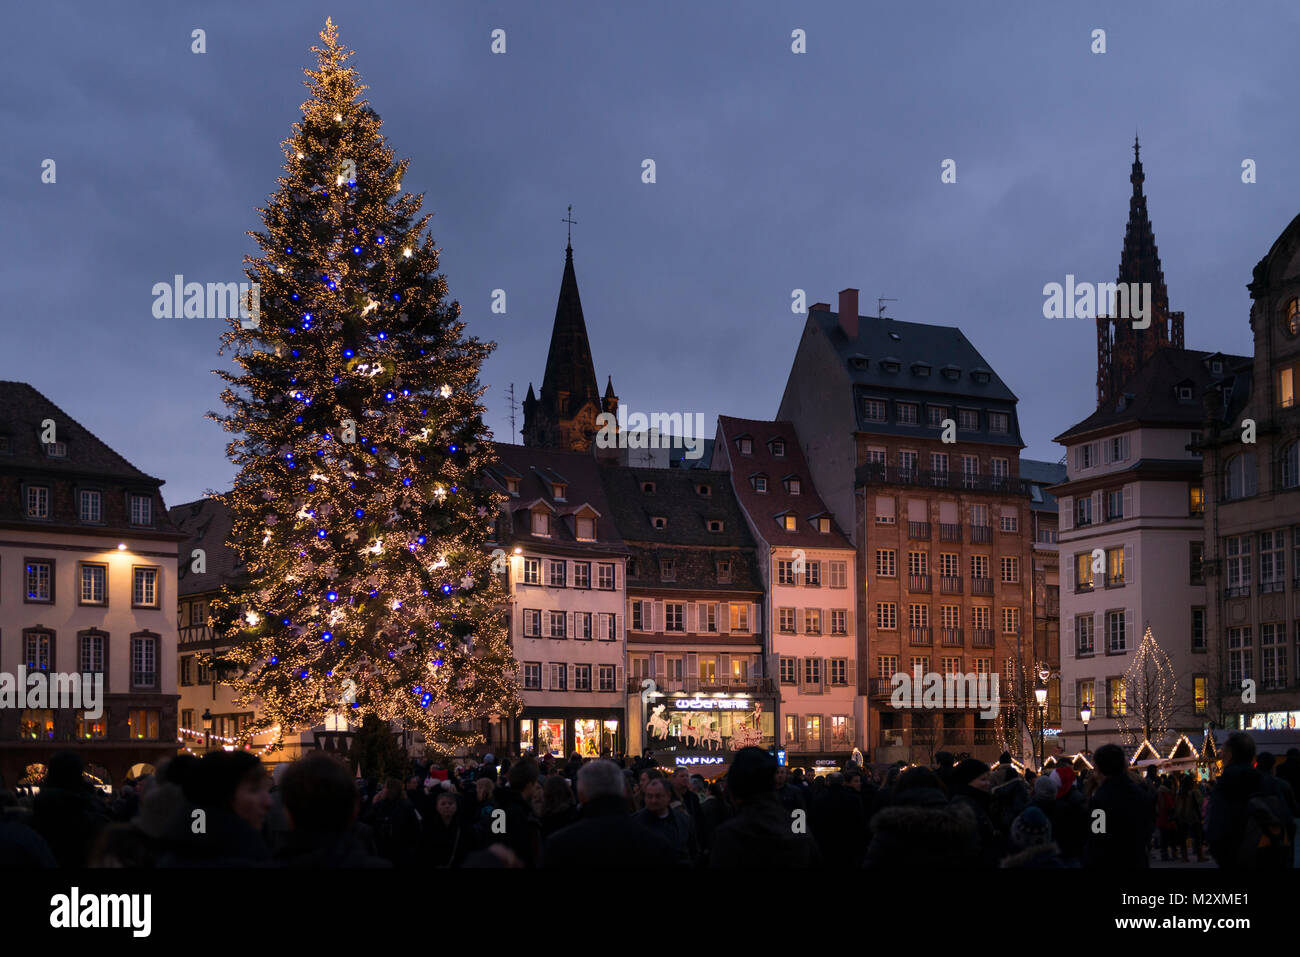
<point>1128,630</point>
<point>798,668</point>
<point>570,574</point>
<point>659,616</point>
<point>546,676</point>
<point>620,682</point>
<point>1069,637</point>
<point>724,618</point>
<point>848,724</point>
<point>1105,452</point>
<point>848,622</point>
<point>1076,457</point>
<point>753,618</point>
<point>616,621</point>
<point>691,618</point>
<point>1128,563</point>
<point>657,666</point>
<point>1065,513</point>
<point>573,624</point>
<point>826,621</point>
<point>853,674</point>
<point>1128,501</point>
<point>618,575</point>
<point>692,666</point>
<point>799,625</point>
<point>1098,504</point>
<point>821,675</point>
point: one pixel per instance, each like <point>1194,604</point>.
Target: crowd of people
<point>225,810</point>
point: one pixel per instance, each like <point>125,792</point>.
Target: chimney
<point>849,312</point>
<point>820,307</point>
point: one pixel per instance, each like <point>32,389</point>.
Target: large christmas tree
<point>359,439</point>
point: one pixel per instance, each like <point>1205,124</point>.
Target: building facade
<point>697,687</point>
<point>1252,510</point>
<point>807,568</point>
<point>87,592</point>
<point>1046,584</point>
<point>567,575</point>
<point>914,442</point>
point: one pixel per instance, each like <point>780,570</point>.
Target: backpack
<point>1269,838</point>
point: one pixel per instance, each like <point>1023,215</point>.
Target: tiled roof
<point>206,524</point>
<point>677,499</point>
<point>763,507</point>
<point>1041,476</point>
<point>582,475</point>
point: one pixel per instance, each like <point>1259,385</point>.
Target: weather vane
<point>571,221</point>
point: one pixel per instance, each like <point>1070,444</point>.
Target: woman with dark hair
<point>558,807</point>
<point>448,836</point>
<point>232,794</point>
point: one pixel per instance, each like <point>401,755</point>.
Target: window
<point>950,616</point>
<point>979,516</point>
<point>532,676</point>
<point>582,625</point>
<point>1272,561</point>
<point>532,571</point>
<point>1087,456</point>
<point>724,573</point>
<point>970,471</point>
<point>668,569</point>
<point>715,525</point>
<point>873,410</point>
<point>606,677</point>
<point>886,666</point>
<point>1198,629</point>
<point>1114,505</point>
<point>1239,656</point>
<point>939,468</point>
<point>38,501</point>
<point>1085,693</point>
<point>839,621</point>
<point>90,506</point>
<point>1117,448</point>
<point>1195,500</point>
<point>144,588</point>
<point>935,414</point>
<point>541,523</point>
<point>556,573</point>
<point>739,617</point>
<point>785,571</point>
<point>998,469</point>
<point>142,723</point>
<point>1010,569</point>
<point>141,510</point>
<point>918,616</point>
<point>586,529</point>
<point>1286,387</point>
<point>532,623</point>
<point>918,563</point>
<point>1196,571</point>
<point>980,616</point>
<point>785,617</point>
<point>949,563</point>
<point>582,677</point>
<point>1239,476</point>
<point>38,648</point>
<point>1116,698</point>
<point>1293,317</point>
<point>1084,637</point>
<point>907,413</point>
<point>789,675</point>
<point>144,661</point>
<point>1116,633</point>
<point>659,522</point>
<point>886,615</point>
<point>40,581</point>
<point>778,448</point>
<point>607,622</point>
<point>839,671</point>
<point>788,522</point>
<point>792,486</point>
<point>1200,693</point>
<point>999,422</point>
<point>605,576</point>
<point>839,574</point>
<point>1238,554</point>
<point>906,465</point>
<point>812,671</point>
<point>559,676</point>
<point>885,510</point>
<point>745,444</point>
<point>1009,522</point>
<point>582,574</point>
<point>1115,566</point>
<point>187,672</point>
<point>886,563</point>
<point>968,420</point>
<point>1083,511</point>
<point>641,615</point>
<point>950,665</point>
<point>94,584</point>
<point>979,566</point>
<point>1273,653</point>
<point>674,616</point>
<point>556,621</point>
<point>760,483</point>
<point>812,621</point>
<point>708,623</point>
<point>1011,621</point>
<point>813,576</point>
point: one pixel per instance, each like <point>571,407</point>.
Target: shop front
<point>559,732</point>
<point>701,733</point>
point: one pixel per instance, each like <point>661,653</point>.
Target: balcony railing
<point>981,481</point>
<point>950,637</point>
<point>144,679</point>
<point>950,585</point>
<point>882,687</point>
<point>981,534</point>
<point>919,635</point>
<point>949,533</point>
<point>1266,588</point>
<point>918,530</point>
<point>919,583</point>
<point>982,638</point>
<point>981,586</point>
<point>694,685</point>
<point>1236,591</point>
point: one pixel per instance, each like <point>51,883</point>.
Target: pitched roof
<point>581,475</point>
<point>764,507</point>
<point>23,409</point>
<point>206,524</point>
<point>1151,398</point>
<point>1041,476</point>
<point>677,499</point>
<point>569,366</point>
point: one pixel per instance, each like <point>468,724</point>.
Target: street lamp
<point>1040,693</point>
<point>207,730</point>
<point>1085,715</point>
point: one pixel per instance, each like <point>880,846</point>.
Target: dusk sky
<point>775,171</point>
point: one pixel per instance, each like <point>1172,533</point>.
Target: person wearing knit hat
<point>967,772</point>
<point>1044,789</point>
<point>1030,827</point>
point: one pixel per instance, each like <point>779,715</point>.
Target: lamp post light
<point>207,730</point>
<point>1085,715</point>
<point>1040,693</point>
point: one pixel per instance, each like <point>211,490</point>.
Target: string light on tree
<point>1150,689</point>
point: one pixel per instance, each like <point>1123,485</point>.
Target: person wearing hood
<point>919,829</point>
<point>1031,840</point>
<point>970,787</point>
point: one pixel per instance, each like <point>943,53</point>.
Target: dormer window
<point>715,525</point>
<point>1184,393</point>
<point>906,412</point>
<point>704,490</point>
<point>952,373</point>
<point>724,573</point>
<point>668,569</point>
<point>980,376</point>
<point>141,510</point>
<point>792,485</point>
<point>648,488</point>
<point>823,524</point>
<point>778,448</point>
<point>56,450</point>
<point>1216,367</point>
<point>859,361</point>
<point>658,522</point>
<point>745,444</point>
<point>512,486</point>
<point>586,526</point>
<point>559,491</point>
<point>921,369</point>
<point>788,521</point>
<point>760,484</point>
<point>541,523</point>
<point>890,365</point>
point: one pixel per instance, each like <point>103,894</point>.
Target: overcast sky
<point>775,171</point>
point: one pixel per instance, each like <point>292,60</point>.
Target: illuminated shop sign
<point>711,704</point>
<point>693,760</point>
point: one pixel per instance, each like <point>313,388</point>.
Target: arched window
<point>1239,476</point>
<point>1290,459</point>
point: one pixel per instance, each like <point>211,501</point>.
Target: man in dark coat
<point>1119,838</point>
<point>671,823</point>
<point>1231,808</point>
<point>839,824</point>
<point>321,803</point>
<point>68,813</point>
<point>396,825</point>
<point>522,830</point>
<point>605,835</point>
<point>763,833</point>
<point>968,783</point>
